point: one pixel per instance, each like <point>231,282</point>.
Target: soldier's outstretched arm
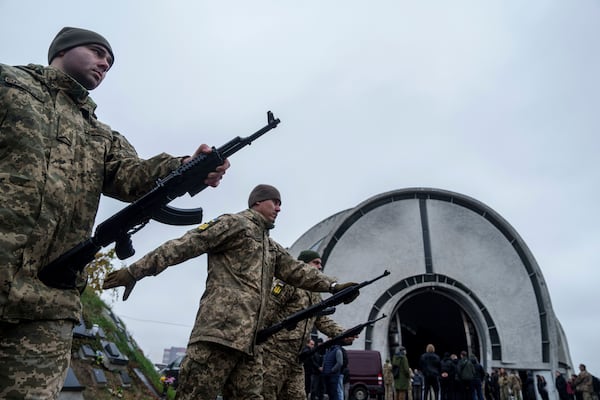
<point>119,278</point>
<point>170,253</point>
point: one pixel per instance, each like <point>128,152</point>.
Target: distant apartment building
<point>172,353</point>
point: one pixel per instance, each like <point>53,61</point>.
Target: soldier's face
<point>268,209</point>
<point>317,263</point>
<point>86,64</point>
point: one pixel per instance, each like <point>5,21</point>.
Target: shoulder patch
<point>207,225</point>
<point>277,288</point>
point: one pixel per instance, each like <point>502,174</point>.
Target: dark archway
<point>430,317</point>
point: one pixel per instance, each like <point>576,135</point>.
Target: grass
<point>95,312</point>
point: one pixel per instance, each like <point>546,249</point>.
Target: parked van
<point>366,375</point>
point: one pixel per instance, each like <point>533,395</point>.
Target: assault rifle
<point>291,322</point>
<point>188,178</point>
<point>354,331</point>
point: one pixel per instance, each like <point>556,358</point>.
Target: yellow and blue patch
<point>207,225</point>
<point>277,288</point>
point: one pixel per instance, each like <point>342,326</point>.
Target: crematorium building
<point>461,279</point>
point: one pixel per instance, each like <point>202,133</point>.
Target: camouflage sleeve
<point>127,177</point>
<point>279,297</point>
<point>193,243</point>
<point>323,323</point>
<point>328,326</point>
<point>281,293</point>
<point>299,274</point>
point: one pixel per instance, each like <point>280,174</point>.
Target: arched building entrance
<point>461,278</point>
<point>430,316</point>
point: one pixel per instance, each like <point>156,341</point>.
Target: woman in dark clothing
<point>541,387</point>
<point>430,365</point>
<point>529,387</point>
<point>561,386</point>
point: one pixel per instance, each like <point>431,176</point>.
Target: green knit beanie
<point>263,192</point>
<point>69,37</point>
<point>308,255</point>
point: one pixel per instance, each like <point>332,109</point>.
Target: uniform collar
<point>260,220</point>
<point>58,80</point>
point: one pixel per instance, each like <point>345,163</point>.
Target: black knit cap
<point>263,192</point>
<point>308,255</point>
<point>70,37</point>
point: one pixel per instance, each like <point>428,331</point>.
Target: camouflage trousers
<point>282,379</point>
<point>210,369</point>
<point>34,358</point>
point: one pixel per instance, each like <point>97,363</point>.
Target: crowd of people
<point>327,374</point>
<point>464,378</point>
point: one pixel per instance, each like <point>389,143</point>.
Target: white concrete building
<point>461,278</point>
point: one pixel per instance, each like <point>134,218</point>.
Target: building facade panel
<point>466,247</point>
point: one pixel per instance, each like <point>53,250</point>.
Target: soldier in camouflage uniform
<point>283,373</point>
<point>242,260</point>
<point>584,383</point>
<point>56,159</point>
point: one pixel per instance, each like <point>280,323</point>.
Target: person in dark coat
<point>477,388</point>
<point>317,381</point>
<point>308,366</point>
<point>402,377</point>
<point>447,377</point>
<point>561,386</point>
<point>542,387</point>
<point>430,365</point>
<point>488,387</point>
<point>529,387</point>
<point>494,386</point>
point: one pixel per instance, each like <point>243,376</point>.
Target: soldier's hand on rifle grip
<point>337,287</point>
<point>214,178</point>
<point>118,278</point>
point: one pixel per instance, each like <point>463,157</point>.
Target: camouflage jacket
<point>56,159</point>
<point>285,300</point>
<point>242,261</point>
<point>584,382</point>
<point>514,382</point>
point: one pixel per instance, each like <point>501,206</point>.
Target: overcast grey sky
<point>497,100</point>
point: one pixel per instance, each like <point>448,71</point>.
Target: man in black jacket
<point>430,367</point>
<point>317,383</point>
<point>447,377</point>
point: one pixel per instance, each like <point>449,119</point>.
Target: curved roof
<point>437,238</point>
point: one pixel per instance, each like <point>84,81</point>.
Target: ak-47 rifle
<point>354,331</point>
<point>188,178</point>
<point>291,322</point>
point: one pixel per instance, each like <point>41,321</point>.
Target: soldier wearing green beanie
<point>284,376</point>
<point>263,192</point>
<point>243,260</point>
<point>69,37</point>
<point>68,159</point>
<point>308,255</point>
